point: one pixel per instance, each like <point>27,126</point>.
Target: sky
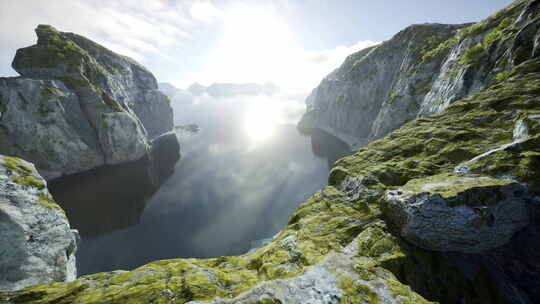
<point>293,44</point>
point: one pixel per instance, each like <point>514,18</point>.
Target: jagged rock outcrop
<point>463,213</point>
<point>419,72</point>
<point>341,246</point>
<point>78,106</point>
<point>38,245</point>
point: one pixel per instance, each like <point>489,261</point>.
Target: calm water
<point>228,189</point>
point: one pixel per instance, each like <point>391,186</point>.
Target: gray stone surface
<point>462,213</point>
<point>78,106</point>
<point>328,282</point>
<point>37,244</point>
<point>378,89</point>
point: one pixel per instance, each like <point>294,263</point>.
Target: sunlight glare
<point>260,122</point>
<point>255,46</point>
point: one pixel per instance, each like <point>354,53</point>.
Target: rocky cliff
<point>38,245</point>
<point>78,105</point>
<point>420,71</point>
<point>445,208</point>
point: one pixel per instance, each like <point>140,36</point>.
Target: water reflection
<point>105,199</point>
<point>113,197</point>
<point>227,190</point>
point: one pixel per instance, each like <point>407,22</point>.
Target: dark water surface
<point>227,190</point>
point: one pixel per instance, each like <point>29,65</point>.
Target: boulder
<point>463,213</point>
<point>38,245</point>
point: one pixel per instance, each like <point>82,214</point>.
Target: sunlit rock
<point>78,106</point>
<point>37,244</point>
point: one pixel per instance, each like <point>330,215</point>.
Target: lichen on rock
<point>367,97</point>
<point>78,106</point>
<point>463,213</point>
<point>38,244</point>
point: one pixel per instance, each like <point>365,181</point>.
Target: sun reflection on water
<point>261,121</point>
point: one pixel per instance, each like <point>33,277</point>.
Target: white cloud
<point>205,11</point>
<point>232,43</point>
<point>258,46</point>
<point>137,28</point>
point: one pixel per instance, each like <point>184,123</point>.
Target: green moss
<point>111,102</point>
<point>423,86</point>
<point>356,292</point>
<point>501,29</point>
<point>16,165</point>
<point>497,33</point>
<point>502,76</point>
<point>46,200</point>
<point>269,301</point>
<point>472,55</point>
<point>29,181</point>
<point>74,82</point>
<point>404,293</point>
<point>48,90</point>
<point>440,49</point>
<point>393,97</point>
<point>450,185</point>
<point>453,74</point>
<point>23,174</point>
<point>60,293</point>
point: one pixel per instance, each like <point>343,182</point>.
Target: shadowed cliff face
<point>420,71</point>
<point>78,106</point>
<point>109,198</point>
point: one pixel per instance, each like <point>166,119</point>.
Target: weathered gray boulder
<point>463,213</point>
<point>78,106</point>
<point>37,244</point>
<point>419,72</point>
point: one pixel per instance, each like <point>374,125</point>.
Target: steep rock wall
<point>419,72</point>
<point>78,106</point>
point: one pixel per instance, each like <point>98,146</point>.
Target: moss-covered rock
<point>98,107</point>
<point>367,97</point>
<point>463,213</point>
<point>37,243</point>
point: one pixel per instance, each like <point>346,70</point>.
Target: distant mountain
<point>196,89</point>
<point>176,95</point>
<point>233,89</point>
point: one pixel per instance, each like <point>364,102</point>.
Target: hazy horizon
<point>293,44</point>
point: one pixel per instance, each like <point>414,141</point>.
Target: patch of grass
<point>472,55</point>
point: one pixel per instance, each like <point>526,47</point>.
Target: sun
<point>255,46</point>
<point>260,122</point>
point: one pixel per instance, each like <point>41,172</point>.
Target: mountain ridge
<point>418,72</point>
